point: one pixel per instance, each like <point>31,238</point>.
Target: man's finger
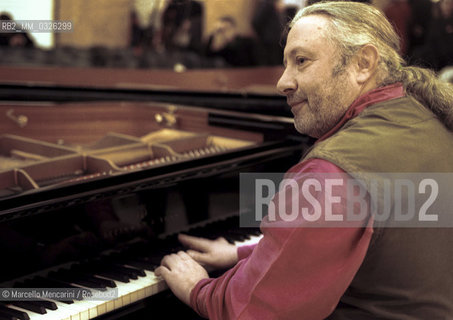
<point>197,256</point>
<point>195,243</point>
<point>184,256</point>
<point>169,260</point>
<point>161,271</point>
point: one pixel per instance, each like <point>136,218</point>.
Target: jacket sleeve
<point>298,270</point>
<point>245,251</point>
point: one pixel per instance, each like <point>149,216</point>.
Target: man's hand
<point>181,273</point>
<point>215,254</point>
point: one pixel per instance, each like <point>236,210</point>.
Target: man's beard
<point>325,108</point>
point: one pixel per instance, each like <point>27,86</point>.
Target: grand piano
<point>101,169</point>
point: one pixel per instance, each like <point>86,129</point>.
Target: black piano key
<point>7,317</point>
<point>235,236</point>
<point>244,231</point>
<point>76,280</point>
<point>242,235</point>
<point>142,264</point>
<point>48,304</point>
<point>210,232</point>
<point>229,240</point>
<point>68,276</point>
<point>252,231</point>
<point>129,261</point>
<point>124,271</point>
<point>156,258</point>
<point>43,303</point>
<point>151,255</point>
<point>167,248</point>
<point>214,230</point>
<point>146,257</point>
<point>13,313</point>
<point>41,282</point>
<point>107,270</point>
<point>113,275</point>
<point>139,272</point>
<point>103,283</point>
<point>120,261</point>
<point>89,284</point>
<point>30,305</point>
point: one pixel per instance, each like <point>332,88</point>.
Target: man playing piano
<point>349,88</point>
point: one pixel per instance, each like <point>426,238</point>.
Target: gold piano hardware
<point>168,119</point>
<point>20,120</point>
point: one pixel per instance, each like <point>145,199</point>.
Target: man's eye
<point>300,60</point>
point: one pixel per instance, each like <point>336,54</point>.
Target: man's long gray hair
<point>354,25</point>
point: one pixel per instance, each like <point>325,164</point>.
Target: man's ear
<point>366,63</point>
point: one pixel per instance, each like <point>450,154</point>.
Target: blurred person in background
<point>437,50</point>
<point>16,39</point>
<point>225,43</point>
<point>268,24</point>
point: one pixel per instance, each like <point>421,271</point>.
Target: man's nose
<point>287,83</point>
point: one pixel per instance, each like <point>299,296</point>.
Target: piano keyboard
<point>130,272</point>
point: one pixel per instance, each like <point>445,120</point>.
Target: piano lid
<point>258,80</point>
<point>250,90</point>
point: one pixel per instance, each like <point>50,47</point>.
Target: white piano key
<point>88,308</point>
<point>67,311</point>
<point>253,240</point>
<point>124,290</point>
<point>85,309</point>
<point>64,311</point>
